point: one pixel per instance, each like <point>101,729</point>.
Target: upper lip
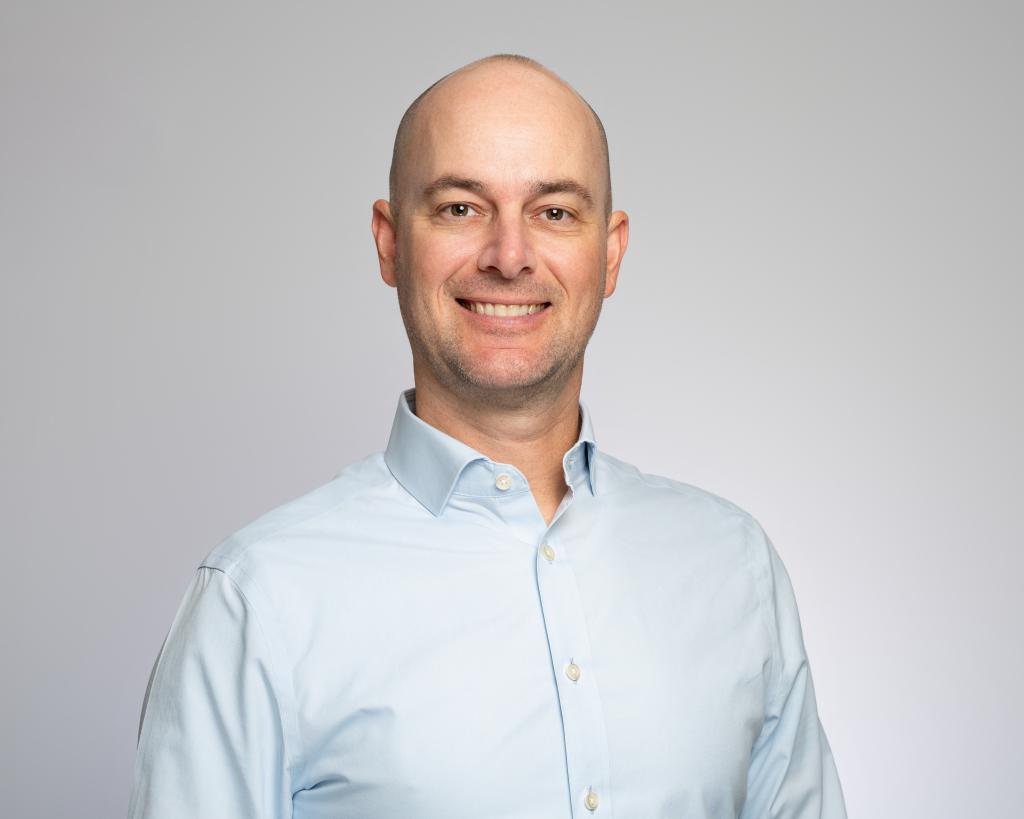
<point>501,300</point>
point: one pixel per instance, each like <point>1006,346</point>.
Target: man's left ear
<point>618,238</point>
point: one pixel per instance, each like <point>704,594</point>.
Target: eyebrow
<point>563,186</point>
<point>448,181</point>
<point>539,188</point>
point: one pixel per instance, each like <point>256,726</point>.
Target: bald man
<point>491,617</point>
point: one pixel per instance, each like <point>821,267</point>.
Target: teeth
<point>487,309</point>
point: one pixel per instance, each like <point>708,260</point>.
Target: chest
<point>507,680</point>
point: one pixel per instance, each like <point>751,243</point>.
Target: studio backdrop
<point>818,318</point>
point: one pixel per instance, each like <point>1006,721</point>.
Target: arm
<point>792,774</point>
<point>213,741</point>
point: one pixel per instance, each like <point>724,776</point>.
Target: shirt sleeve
<point>792,774</point>
<point>212,741</point>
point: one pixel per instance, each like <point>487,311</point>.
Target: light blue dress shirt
<point>412,640</point>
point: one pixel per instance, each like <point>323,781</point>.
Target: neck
<point>530,435</point>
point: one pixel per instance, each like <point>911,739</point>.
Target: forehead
<point>506,126</point>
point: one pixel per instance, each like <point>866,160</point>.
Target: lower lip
<point>529,320</point>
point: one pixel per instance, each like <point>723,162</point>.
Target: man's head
<point>500,194</point>
<point>401,154</point>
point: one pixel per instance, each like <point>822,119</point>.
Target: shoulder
<point>686,519</point>
<point>623,483</point>
<point>278,535</point>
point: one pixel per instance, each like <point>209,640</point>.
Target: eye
<point>557,215</point>
<point>458,209</point>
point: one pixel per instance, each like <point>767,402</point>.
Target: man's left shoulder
<point>672,503</point>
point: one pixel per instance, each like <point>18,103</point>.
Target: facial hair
<point>523,384</point>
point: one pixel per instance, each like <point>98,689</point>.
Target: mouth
<point>486,308</point>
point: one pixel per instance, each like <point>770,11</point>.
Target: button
<point>573,671</point>
<point>548,552</point>
<point>503,481</point>
<point>590,800</point>
<point>571,463</point>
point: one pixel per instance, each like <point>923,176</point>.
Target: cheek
<point>437,257</point>
<point>579,268</point>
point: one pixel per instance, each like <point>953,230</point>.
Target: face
<point>501,248</point>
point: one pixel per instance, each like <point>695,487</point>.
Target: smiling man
<point>492,617</point>
<point>500,239</point>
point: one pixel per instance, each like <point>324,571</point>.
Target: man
<point>492,617</point>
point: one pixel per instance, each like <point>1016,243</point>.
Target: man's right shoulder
<point>344,503</point>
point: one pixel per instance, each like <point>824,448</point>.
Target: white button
<point>572,671</point>
<point>503,481</point>
<point>590,800</point>
<point>548,552</point>
<point>571,463</point>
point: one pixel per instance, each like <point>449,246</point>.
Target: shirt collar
<point>431,464</point>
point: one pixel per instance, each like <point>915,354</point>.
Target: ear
<point>383,227</point>
<point>618,238</point>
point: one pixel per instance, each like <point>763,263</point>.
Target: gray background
<point>819,317</point>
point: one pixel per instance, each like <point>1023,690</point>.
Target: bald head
<point>499,73</point>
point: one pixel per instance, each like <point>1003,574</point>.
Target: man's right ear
<point>383,227</point>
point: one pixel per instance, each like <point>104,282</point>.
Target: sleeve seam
<point>289,722</point>
<point>766,593</point>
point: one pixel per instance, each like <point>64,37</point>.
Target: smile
<point>489,309</point>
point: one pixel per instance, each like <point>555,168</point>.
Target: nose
<point>508,250</point>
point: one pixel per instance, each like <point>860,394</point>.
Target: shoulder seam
<point>217,559</point>
<point>678,487</point>
<point>295,754</point>
<point>765,583</point>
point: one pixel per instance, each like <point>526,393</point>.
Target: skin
<point>469,220</point>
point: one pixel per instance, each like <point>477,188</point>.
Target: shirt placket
<point>583,726</point>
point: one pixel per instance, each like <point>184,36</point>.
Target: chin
<point>510,380</point>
